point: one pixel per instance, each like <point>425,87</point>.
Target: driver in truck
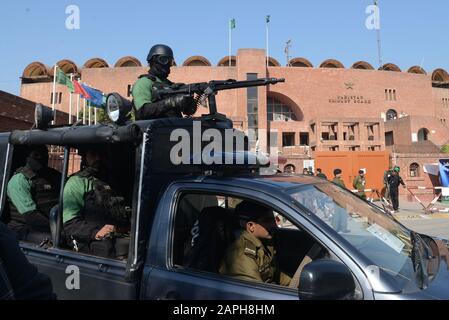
<point>252,257</point>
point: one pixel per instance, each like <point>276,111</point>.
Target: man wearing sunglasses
<point>252,257</point>
<point>160,59</point>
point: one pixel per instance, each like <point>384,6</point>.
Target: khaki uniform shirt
<point>248,259</point>
<point>359,184</point>
<point>339,181</point>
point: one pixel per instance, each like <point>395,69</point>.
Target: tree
<point>445,149</point>
<point>102,116</point>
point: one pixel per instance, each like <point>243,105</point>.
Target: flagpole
<point>230,42</point>
<point>95,113</point>
<point>90,111</point>
<point>78,108</point>
<point>70,101</point>
<point>84,112</point>
<point>53,102</point>
<point>267,43</point>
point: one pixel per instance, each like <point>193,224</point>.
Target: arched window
<point>331,63</point>
<point>277,111</point>
<point>392,115</point>
<point>414,170</point>
<point>196,61</point>
<point>127,62</point>
<point>35,70</point>
<point>362,65</point>
<point>423,134</point>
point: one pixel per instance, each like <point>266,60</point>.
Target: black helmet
<point>160,49</point>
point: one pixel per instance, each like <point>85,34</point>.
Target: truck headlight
<point>117,108</point>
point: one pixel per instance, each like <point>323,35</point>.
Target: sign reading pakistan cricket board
<point>346,99</point>
<point>350,99</point>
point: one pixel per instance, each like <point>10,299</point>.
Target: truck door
<point>172,273</point>
<point>196,224</point>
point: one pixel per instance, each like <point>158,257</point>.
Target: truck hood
<point>438,288</point>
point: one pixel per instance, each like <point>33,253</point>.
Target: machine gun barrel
<point>210,89</point>
<point>233,84</point>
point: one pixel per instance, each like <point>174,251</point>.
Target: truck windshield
<point>387,244</point>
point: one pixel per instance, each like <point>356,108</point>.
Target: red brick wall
<point>17,113</point>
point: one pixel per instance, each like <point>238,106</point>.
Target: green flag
<point>63,79</point>
<point>232,24</point>
<point>267,18</point>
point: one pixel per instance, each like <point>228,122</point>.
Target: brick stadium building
<point>18,113</point>
<point>328,107</point>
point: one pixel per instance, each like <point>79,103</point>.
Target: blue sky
<point>413,32</point>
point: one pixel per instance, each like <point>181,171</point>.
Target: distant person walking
<point>394,180</point>
<point>305,171</point>
<point>320,174</point>
<point>338,179</point>
<point>360,184</point>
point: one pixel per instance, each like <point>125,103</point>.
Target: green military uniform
<point>89,205</point>
<point>32,196</point>
<point>249,259</point>
<point>359,184</point>
<point>142,93</point>
<point>339,181</point>
<point>73,199</point>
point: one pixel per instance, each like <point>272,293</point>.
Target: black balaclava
<point>34,164</point>
<point>37,159</point>
<point>159,70</point>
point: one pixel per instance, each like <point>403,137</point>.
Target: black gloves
<point>180,101</point>
<point>170,107</point>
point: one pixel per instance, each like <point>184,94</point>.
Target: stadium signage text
<point>350,99</point>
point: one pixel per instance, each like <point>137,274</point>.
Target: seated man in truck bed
<point>95,218</point>
<point>32,192</point>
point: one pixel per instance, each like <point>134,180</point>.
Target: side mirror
<point>326,280</point>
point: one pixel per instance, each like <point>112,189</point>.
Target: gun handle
<point>212,104</point>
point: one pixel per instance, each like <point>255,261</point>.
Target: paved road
<point>431,227</point>
<point>413,216</point>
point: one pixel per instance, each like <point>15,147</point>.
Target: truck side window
<point>33,191</point>
<point>213,237</point>
<point>97,200</point>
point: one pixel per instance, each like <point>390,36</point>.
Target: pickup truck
<point>337,246</point>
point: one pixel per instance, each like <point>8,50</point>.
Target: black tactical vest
<point>44,191</point>
<point>157,85</point>
<point>101,205</point>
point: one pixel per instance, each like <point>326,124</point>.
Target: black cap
<point>160,49</point>
<point>250,211</point>
<point>337,171</point>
